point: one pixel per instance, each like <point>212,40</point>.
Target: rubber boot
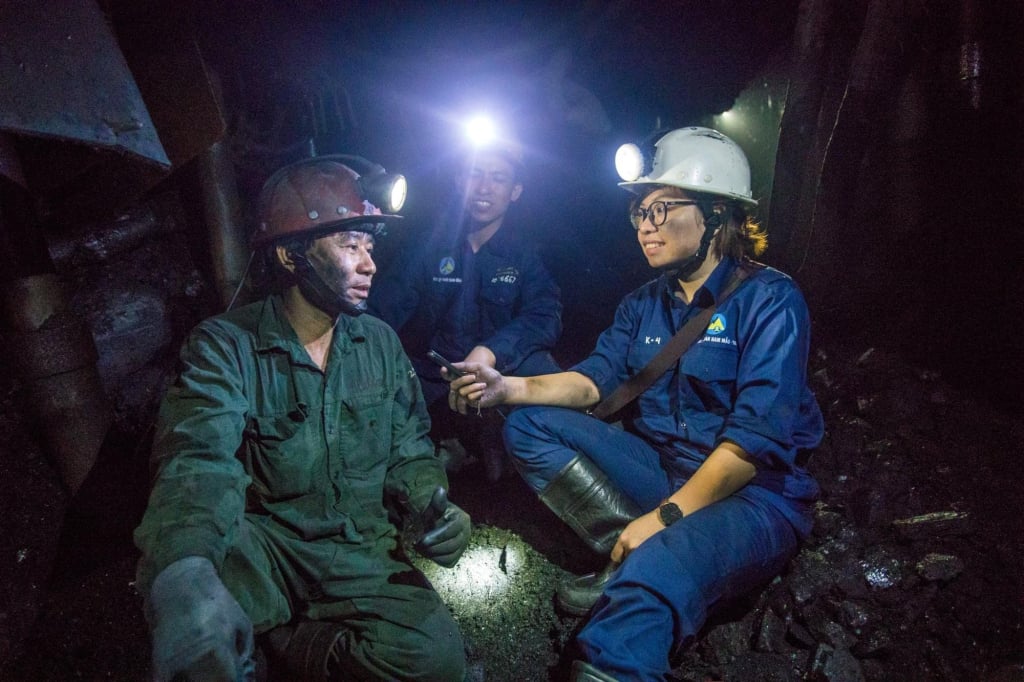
<point>584,672</point>
<point>577,595</point>
<point>583,496</point>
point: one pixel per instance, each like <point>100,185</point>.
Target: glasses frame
<point>639,214</point>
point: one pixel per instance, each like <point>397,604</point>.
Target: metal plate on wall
<point>82,130</point>
<point>64,77</point>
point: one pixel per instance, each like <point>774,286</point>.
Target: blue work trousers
<point>661,596</point>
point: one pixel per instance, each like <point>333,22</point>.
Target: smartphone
<point>453,371</point>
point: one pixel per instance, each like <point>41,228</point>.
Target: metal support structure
<point>224,222</point>
<point>51,349</point>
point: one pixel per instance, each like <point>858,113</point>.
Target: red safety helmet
<point>321,195</point>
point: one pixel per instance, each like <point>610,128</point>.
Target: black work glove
<point>446,530</point>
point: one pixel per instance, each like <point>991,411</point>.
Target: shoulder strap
<point>673,350</point>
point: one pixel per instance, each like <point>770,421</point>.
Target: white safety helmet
<point>695,159</point>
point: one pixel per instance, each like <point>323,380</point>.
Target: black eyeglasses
<point>657,212</point>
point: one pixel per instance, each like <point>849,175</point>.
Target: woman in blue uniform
<point>703,495</point>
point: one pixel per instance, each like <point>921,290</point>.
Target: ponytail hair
<point>740,235</point>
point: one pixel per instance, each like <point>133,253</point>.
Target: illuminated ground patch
<point>502,595</point>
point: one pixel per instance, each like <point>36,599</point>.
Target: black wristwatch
<point>669,513</point>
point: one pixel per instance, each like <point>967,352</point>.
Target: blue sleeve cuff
<point>763,449</point>
<point>603,378</point>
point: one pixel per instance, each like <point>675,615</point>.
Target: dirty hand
<point>482,386</point>
<point>447,530</point>
<point>199,630</point>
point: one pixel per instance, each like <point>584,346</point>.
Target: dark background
<point>905,235</point>
<point>884,140</point>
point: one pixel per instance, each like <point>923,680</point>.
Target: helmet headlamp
<point>485,135</point>
<point>386,191</point>
<point>481,130</point>
<point>629,162</point>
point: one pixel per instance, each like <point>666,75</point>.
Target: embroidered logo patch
<point>715,333</point>
<point>447,266</point>
<point>717,324</point>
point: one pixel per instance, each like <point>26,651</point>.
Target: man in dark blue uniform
<point>704,495</point>
<point>476,292</point>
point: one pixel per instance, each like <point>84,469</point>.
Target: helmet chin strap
<point>319,293</point>
<point>712,221</point>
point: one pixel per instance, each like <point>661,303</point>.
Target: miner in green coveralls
<point>293,441</point>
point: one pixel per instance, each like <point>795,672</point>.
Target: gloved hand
<point>199,630</point>
<point>447,530</point>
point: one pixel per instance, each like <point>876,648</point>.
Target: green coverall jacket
<point>285,476</point>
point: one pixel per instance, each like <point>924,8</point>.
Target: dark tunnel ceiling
<point>684,59</point>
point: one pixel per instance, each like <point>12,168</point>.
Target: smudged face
<point>344,261</point>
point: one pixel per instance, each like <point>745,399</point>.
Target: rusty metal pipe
<point>98,243</point>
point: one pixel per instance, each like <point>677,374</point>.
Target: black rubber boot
<point>584,672</point>
<point>577,595</point>
<point>583,496</point>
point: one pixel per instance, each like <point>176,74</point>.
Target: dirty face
<point>344,261</point>
<point>675,240</point>
<point>489,186</point>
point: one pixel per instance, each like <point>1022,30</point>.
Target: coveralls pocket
<point>365,439</point>
<point>365,434</point>
<point>282,458</point>
<point>498,304</point>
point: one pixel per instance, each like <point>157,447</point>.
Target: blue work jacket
<point>744,380</point>
<point>450,299</point>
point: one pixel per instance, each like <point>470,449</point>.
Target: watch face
<point>669,513</point>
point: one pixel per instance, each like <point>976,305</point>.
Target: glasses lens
<point>658,213</point>
<point>636,216</point>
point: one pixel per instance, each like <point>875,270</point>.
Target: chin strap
<point>317,291</point>
<point>712,221</point>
